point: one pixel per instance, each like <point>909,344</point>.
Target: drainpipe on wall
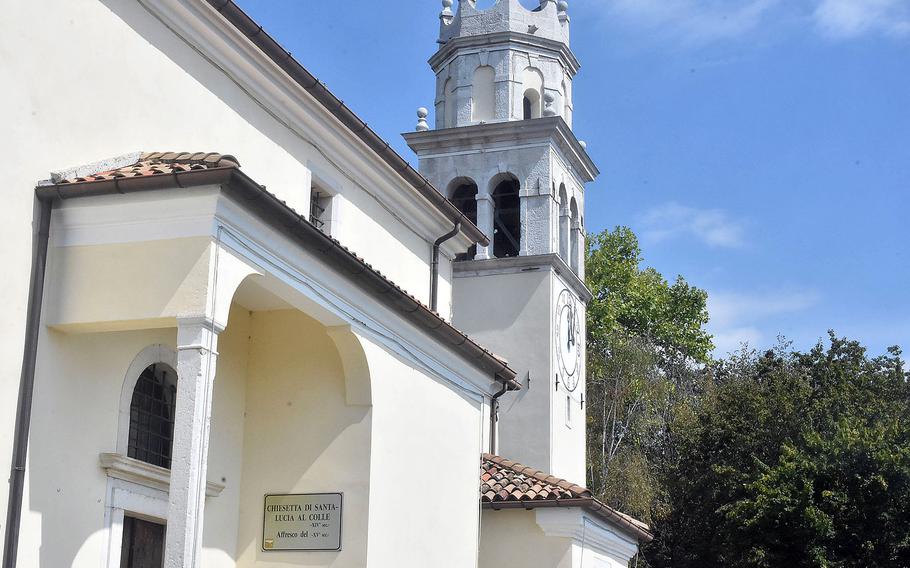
<point>434,265</point>
<point>494,411</point>
<point>26,386</point>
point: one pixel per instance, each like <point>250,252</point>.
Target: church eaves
<point>174,170</point>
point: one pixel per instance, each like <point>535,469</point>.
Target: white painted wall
<point>552,537</point>
<point>512,537</point>
<point>301,437</point>
<point>428,437</point>
<point>221,525</point>
<point>510,313</point>
<point>98,78</point>
<point>76,411</point>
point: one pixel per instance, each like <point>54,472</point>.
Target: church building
<point>243,331</point>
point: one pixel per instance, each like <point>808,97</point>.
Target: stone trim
<point>509,133</point>
<point>516,264</point>
<point>118,466</point>
<point>569,61</point>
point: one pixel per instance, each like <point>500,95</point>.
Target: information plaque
<point>310,521</point>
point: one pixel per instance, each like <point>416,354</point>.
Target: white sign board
<point>310,521</point>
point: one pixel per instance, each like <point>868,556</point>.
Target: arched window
<point>152,409</point>
<point>563,223</point>
<point>463,193</point>
<point>450,117</point>
<point>532,87</point>
<point>573,239</point>
<point>483,95</point>
<point>506,218</point>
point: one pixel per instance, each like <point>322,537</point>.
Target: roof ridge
<point>210,159</point>
<point>146,164</point>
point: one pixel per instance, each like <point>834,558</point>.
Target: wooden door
<point>143,544</point>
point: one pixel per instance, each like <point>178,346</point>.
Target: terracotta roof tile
<point>163,163</point>
<point>505,480</point>
<point>506,483</point>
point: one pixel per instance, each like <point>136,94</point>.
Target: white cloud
<point>843,19</point>
<point>694,21</point>
<point>729,340</point>
<point>706,21</point>
<point>713,227</point>
<point>736,316</point>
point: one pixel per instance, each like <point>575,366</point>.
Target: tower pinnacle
<point>549,20</point>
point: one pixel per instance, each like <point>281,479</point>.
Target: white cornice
<point>119,466</point>
<point>586,531</point>
<point>513,39</point>
<point>223,45</point>
<point>507,134</point>
<point>516,264</point>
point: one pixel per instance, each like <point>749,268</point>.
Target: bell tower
<point>504,152</point>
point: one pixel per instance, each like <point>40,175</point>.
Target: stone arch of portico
<point>353,348</point>
<point>356,364</point>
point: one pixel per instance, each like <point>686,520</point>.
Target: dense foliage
<point>760,460</point>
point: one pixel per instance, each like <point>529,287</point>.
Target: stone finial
<point>562,9</point>
<point>548,100</point>
<point>583,144</point>
<point>446,15</point>
<point>422,115</point>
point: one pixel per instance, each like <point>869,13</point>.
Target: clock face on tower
<point>568,339</point>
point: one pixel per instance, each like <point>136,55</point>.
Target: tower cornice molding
<point>505,40</point>
<point>485,136</point>
<point>521,264</point>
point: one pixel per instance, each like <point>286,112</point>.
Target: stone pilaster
<point>485,224</point>
<point>197,342</point>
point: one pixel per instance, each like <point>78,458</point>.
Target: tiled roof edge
<point>583,499</point>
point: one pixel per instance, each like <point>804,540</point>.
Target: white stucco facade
<point>304,363</point>
<point>129,272</point>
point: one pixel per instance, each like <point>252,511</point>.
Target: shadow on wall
<point>280,424</point>
<point>300,436</point>
<point>75,418</point>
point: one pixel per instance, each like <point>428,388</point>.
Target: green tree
<point>639,301</point>
<point>644,335</point>
<point>791,459</point>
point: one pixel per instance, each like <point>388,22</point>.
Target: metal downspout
<point>434,265</point>
<point>494,411</point>
<point>26,386</point>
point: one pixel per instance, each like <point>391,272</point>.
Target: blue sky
<point>760,148</point>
